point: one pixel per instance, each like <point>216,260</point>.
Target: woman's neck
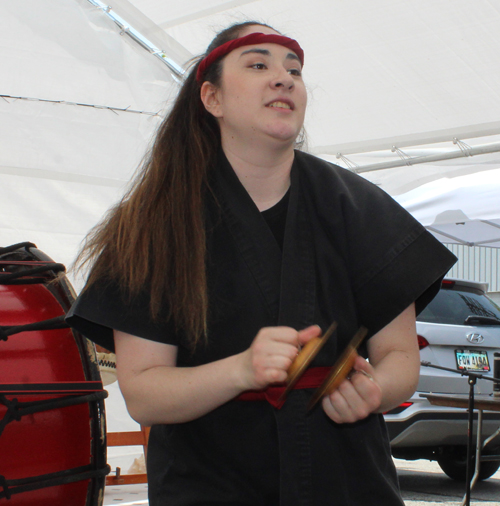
<point>264,174</point>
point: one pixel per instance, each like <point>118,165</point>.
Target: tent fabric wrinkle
<point>69,139</point>
<point>376,70</point>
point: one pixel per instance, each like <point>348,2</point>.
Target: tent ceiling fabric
<point>377,70</point>
<point>79,106</point>
<point>80,100</point>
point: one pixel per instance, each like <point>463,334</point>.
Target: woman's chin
<point>283,134</point>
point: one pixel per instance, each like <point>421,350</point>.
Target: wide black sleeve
<point>392,259</point>
<point>103,307</point>
<point>395,260</point>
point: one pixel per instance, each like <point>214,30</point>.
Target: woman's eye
<point>295,72</point>
<point>258,66</point>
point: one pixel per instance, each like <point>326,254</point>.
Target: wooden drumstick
<point>340,370</point>
<point>305,357</point>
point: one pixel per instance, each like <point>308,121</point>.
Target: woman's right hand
<point>272,353</point>
<point>156,391</point>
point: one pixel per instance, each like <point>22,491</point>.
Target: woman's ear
<point>209,95</point>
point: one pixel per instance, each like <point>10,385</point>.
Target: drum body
<point>52,422</point>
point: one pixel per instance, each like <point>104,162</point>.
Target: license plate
<point>472,360</point>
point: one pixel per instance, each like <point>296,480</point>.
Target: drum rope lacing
<point>50,324</point>
<point>19,277</point>
<point>14,247</point>
<point>12,278</point>
<point>50,480</point>
<point>17,409</point>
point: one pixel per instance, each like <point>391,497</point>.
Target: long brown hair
<point>155,236</point>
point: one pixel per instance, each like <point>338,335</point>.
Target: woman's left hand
<point>358,395</point>
<point>389,378</point>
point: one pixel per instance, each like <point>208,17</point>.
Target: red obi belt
<point>312,378</point>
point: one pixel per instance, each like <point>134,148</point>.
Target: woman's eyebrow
<point>266,52</point>
<point>256,50</point>
<point>292,56</point>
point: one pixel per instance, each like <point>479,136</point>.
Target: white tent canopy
<point>461,210</point>
<point>80,98</point>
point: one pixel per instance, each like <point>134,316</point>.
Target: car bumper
<point>426,425</point>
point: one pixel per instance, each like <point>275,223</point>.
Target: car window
<point>453,306</point>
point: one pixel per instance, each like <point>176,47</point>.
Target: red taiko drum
<point>52,421</point>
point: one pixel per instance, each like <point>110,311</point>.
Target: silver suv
<point>459,329</point>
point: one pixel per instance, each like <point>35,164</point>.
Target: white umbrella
<point>461,210</point>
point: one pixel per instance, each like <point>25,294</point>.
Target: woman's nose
<point>283,80</point>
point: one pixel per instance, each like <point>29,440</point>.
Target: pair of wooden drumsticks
<point>339,371</point>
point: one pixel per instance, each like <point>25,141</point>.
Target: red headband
<point>247,40</point>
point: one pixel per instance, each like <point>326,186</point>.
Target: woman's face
<point>262,95</point>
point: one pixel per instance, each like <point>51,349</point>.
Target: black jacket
<point>351,254</point>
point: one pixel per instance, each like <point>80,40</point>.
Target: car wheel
<point>454,464</point>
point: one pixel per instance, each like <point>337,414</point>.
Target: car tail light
<point>447,283</point>
<point>422,342</point>
<point>399,409</point>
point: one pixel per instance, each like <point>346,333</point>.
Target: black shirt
<point>275,217</point>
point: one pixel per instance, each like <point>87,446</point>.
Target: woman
<point>231,252</point>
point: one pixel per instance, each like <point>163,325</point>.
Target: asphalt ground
<point>424,484</point>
